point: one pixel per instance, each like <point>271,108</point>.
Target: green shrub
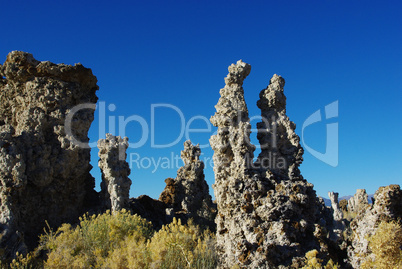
<point>132,253</point>
<point>89,244</point>
<point>21,262</point>
<point>343,204</point>
<point>182,246</point>
<point>349,215</point>
<point>122,240</point>
<point>312,262</point>
<point>386,245</point>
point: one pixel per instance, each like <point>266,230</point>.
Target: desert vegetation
<point>313,262</point>
<point>121,240</point>
<point>385,246</point>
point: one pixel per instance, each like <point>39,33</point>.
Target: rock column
<point>337,212</point>
<point>281,151</point>
<point>358,202</point>
<point>45,114</point>
<point>233,155</point>
<point>115,186</point>
<point>267,213</point>
<point>188,193</point>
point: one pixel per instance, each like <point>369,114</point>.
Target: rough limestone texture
<point>358,202</point>
<point>267,213</point>
<point>188,193</point>
<point>337,212</point>
<point>115,185</point>
<point>281,151</point>
<point>337,227</point>
<point>233,155</point>
<point>387,207</point>
<point>43,175</point>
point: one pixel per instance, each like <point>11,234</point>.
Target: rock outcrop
<point>188,193</point>
<point>45,113</point>
<point>115,186</point>
<point>233,156</point>
<point>281,152</point>
<point>267,213</point>
<point>387,207</point>
<point>358,202</point>
<point>151,209</point>
<point>337,212</point>
<point>336,227</point>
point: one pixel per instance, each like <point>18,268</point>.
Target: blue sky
<point>177,53</point>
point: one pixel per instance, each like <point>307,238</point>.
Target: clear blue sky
<point>177,53</point>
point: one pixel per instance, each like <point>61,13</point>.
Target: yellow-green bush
<point>89,244</point>
<point>386,245</point>
<point>21,262</point>
<point>174,246</point>
<point>122,240</point>
<point>312,262</point>
<point>182,246</point>
<point>133,253</point>
<point>349,215</point>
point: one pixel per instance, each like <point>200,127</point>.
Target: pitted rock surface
<point>115,186</point>
<point>387,207</point>
<point>281,151</point>
<point>267,213</point>
<point>358,202</point>
<point>337,212</point>
<point>43,175</point>
<point>188,193</point>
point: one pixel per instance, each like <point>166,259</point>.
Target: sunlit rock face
<point>187,195</point>
<point>387,206</point>
<point>337,212</point>
<point>281,151</point>
<point>115,186</point>
<point>268,215</point>
<point>358,202</point>
<point>43,174</point>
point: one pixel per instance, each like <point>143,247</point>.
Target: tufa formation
<point>337,212</point>
<point>188,193</point>
<point>387,206</point>
<point>281,151</point>
<point>115,186</point>
<point>268,215</point>
<point>358,202</point>
<point>186,196</point>
<point>43,175</point>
